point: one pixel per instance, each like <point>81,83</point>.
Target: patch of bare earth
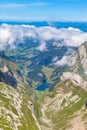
<point>77,123</point>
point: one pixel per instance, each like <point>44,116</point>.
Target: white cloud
<point>13,5</point>
<point>4,37</point>
<point>63,61</point>
<point>55,58</point>
<point>10,34</point>
<point>42,46</point>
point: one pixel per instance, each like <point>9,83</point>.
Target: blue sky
<point>49,10</point>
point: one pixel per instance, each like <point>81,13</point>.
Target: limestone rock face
<point>82,51</point>
<point>80,57</point>
<point>78,66</point>
<point>83,56</point>
<point>75,78</point>
<point>6,75</point>
<point>73,60</point>
<point>84,63</point>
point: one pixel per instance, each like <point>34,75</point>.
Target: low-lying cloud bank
<point>63,61</point>
<point>15,34</point>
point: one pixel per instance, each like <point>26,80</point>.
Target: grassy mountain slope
<point>15,106</point>
<point>15,113</point>
<point>60,107</point>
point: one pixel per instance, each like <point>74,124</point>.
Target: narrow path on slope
<point>33,115</point>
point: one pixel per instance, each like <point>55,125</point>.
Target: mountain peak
<point>77,72</point>
<point>83,50</point>
<point>80,57</point>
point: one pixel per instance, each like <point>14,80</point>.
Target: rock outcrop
<point>75,78</point>
<point>78,67</point>
<point>6,75</point>
<point>80,57</point>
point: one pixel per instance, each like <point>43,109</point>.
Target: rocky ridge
<point>78,67</point>
<point>6,75</point>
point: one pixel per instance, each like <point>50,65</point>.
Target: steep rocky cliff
<point>77,71</point>
<point>80,57</point>
<point>6,75</point>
